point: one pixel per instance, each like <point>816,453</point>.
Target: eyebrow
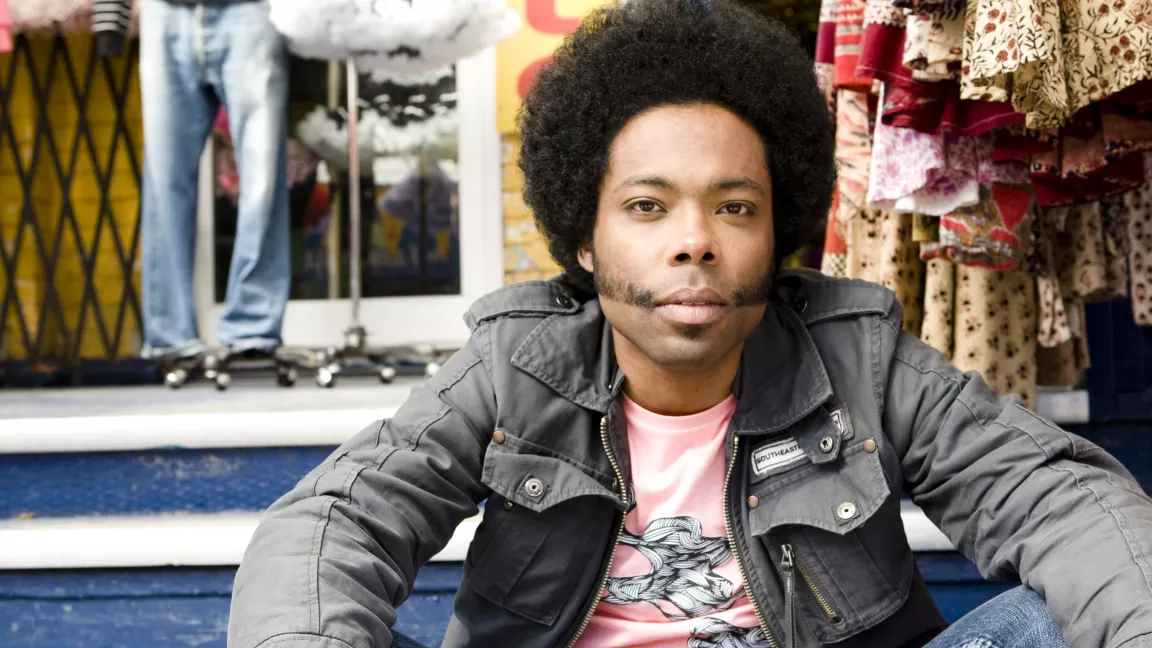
<point>660,182</point>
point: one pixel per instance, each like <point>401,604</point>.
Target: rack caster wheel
<point>212,367</point>
<point>286,377</point>
<point>387,375</point>
<point>176,378</point>
<point>223,381</point>
<point>325,378</point>
<point>431,368</point>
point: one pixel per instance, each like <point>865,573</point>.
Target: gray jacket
<point>527,418</point>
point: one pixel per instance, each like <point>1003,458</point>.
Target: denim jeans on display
<point>1017,618</point>
<point>192,59</point>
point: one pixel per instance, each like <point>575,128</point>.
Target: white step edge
<point>219,539</point>
<point>185,431</point>
<point>166,540</point>
<point>275,429</point>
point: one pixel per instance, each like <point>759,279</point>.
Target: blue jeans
<point>1015,619</point>
<point>192,57</point>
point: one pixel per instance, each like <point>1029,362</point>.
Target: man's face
<point>682,247</point>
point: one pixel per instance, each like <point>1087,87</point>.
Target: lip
<point>693,296</point>
<point>695,306</point>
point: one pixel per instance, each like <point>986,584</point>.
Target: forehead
<point>697,141</point>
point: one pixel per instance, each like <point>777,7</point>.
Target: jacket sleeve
<point>1021,498</point>
<point>332,559</point>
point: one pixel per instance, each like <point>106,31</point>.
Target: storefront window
<point>410,233</point>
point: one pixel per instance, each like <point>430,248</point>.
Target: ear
<point>586,259</point>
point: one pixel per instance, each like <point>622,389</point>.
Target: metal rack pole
<point>333,234</point>
<point>354,288</point>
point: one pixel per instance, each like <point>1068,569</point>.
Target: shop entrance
<point>431,211</point>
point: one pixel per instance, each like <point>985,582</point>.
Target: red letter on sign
<point>528,75</point>
<point>541,14</point>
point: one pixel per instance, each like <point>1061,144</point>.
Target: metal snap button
<point>870,446</point>
<point>563,301</point>
<point>846,511</point>
<point>826,444</point>
<point>498,436</point>
<point>508,505</point>
<point>753,501</point>
<point>533,488</point>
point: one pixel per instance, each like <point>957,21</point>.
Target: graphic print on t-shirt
<point>718,633</point>
<point>682,583</point>
<point>674,582</point>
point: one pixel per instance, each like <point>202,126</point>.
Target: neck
<point>670,392</point>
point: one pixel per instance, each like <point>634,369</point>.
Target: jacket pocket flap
<point>537,478</point>
<point>838,497</point>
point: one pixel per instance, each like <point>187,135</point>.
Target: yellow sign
<point>544,23</point>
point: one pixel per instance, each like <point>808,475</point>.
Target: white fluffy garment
<point>397,35</point>
<point>325,133</point>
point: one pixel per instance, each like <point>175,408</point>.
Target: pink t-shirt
<point>674,581</point>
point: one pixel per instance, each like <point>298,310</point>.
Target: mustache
<point>616,289</point>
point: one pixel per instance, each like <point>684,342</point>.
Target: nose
<point>695,241</point>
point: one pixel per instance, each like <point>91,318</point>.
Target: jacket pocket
<point>842,522</point>
<point>544,521</point>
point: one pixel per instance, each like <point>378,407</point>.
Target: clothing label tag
<point>774,455</point>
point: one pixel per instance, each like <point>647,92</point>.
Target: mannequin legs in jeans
<point>1015,619</point>
<point>192,58</point>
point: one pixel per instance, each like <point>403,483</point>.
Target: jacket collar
<point>782,377</point>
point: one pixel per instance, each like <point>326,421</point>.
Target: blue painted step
<point>182,608</point>
<point>121,483</point>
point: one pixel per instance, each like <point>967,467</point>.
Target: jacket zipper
<point>615,541</point>
<point>787,562</point>
<point>729,528</point>
<point>810,583</point>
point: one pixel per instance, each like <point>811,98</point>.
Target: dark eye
<point>736,209</point>
<point>645,206</point>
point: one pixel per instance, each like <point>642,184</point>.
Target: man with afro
<point>678,444</point>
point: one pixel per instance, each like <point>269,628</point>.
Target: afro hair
<point>628,58</point>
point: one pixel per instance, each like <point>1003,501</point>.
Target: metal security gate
<point>70,185</point>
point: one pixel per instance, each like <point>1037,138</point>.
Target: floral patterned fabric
<point>826,53</point>
<point>933,174</point>
<point>1054,57</point>
<point>1084,258</point>
<point>996,329</point>
<point>853,155</point>
<point>938,328</point>
<point>934,44</point>
<point>991,234</point>
<point>985,321</point>
<point>910,102</point>
<point>882,250</point>
<point>1138,206</point>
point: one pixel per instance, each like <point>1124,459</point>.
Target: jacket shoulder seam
<point>925,372</point>
<point>484,332</point>
<point>299,636</point>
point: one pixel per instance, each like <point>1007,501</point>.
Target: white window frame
<point>432,319</point>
